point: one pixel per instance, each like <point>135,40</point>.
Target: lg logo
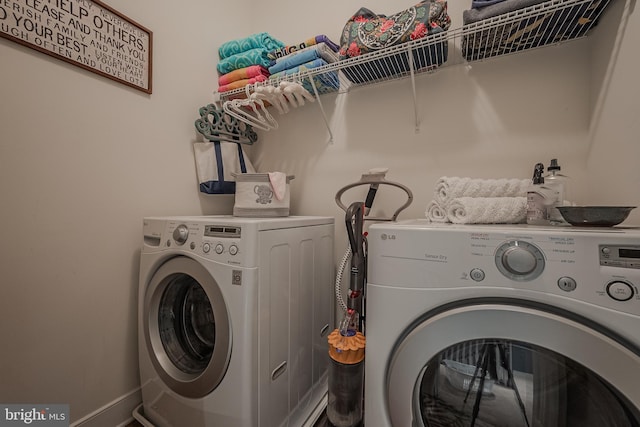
<point>385,236</point>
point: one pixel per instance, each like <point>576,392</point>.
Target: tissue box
<point>255,196</point>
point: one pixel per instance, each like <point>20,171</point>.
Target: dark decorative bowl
<point>595,216</point>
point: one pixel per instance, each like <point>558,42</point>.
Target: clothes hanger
<point>295,90</point>
<point>245,110</point>
<point>258,107</point>
<point>250,110</point>
<point>272,95</point>
<point>217,126</point>
<point>234,108</point>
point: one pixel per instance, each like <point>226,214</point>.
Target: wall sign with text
<point>86,33</point>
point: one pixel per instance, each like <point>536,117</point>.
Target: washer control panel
<point>220,242</point>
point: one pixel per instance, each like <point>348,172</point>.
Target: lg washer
<point>502,326</point>
<point>233,318</point>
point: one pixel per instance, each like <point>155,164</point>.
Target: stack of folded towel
<point>485,9</point>
<point>312,53</point>
<point>479,201</point>
<point>244,61</point>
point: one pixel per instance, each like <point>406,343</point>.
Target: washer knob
<point>519,260</point>
<point>181,234</point>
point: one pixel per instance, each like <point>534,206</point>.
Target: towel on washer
<point>436,213</point>
<point>487,210</point>
<point>449,188</point>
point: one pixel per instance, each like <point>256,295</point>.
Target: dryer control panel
<point>597,266</point>
<point>625,256</point>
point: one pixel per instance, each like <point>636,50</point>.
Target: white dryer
<point>233,318</point>
<point>502,326</point>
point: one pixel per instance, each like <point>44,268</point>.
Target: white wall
<point>83,159</point>
<point>614,172</point>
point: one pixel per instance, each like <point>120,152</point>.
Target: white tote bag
<point>216,162</point>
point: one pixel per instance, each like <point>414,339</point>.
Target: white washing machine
<point>502,326</point>
<point>233,319</point>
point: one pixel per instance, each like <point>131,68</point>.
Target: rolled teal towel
<point>260,40</point>
<point>257,56</point>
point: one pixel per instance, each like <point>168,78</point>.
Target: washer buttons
<point>567,284</point>
<point>233,249</point>
<point>206,248</point>
<point>219,248</point>
<point>477,274</point>
<point>620,291</point>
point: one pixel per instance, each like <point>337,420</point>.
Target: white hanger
<point>296,91</point>
<point>272,96</point>
<point>250,110</point>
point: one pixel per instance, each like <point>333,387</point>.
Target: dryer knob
<point>519,260</point>
<point>181,234</point>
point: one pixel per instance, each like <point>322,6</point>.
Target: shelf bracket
<point>413,88</point>
<point>324,115</point>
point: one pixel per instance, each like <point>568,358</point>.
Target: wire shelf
<point>548,23</point>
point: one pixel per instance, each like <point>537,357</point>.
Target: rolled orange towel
<point>243,74</point>
<point>241,83</point>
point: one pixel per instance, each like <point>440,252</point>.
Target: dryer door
<point>187,328</point>
<point>512,364</point>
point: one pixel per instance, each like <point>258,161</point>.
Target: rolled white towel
<point>449,188</point>
<point>436,213</point>
<point>487,210</point>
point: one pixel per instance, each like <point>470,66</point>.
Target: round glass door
<point>186,324</point>
<point>511,363</point>
<point>506,383</point>
<point>187,327</point>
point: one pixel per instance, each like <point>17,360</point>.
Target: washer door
<point>187,327</point>
<point>512,364</point>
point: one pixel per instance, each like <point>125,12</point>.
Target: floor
<point>322,422</point>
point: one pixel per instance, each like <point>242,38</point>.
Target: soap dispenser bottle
<point>537,198</point>
<point>557,183</point>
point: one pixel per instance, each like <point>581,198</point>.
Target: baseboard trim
<point>115,413</point>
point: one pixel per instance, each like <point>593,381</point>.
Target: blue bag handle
<point>221,186</point>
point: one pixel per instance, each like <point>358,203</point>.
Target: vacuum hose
<point>338,286</point>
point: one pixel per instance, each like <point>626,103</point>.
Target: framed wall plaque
<point>86,33</point>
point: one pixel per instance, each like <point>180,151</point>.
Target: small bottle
<point>537,198</point>
<point>558,185</point>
